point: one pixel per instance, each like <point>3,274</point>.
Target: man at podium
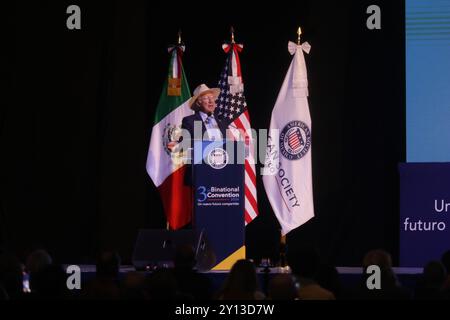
<point>217,178</point>
<point>203,102</point>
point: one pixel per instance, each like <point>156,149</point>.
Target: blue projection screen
<point>428,80</point>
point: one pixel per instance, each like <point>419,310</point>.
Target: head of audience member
<point>241,283</point>
<point>378,257</point>
<point>434,275</point>
<point>108,265</point>
<point>11,275</point>
<point>283,287</point>
<point>132,286</point>
<point>38,260</point>
<point>49,282</point>
<point>162,285</point>
<point>328,278</point>
<point>383,260</point>
<point>445,259</point>
<point>304,261</point>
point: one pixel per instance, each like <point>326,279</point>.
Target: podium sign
<point>218,176</point>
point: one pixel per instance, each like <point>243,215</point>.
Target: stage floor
<point>88,268</point>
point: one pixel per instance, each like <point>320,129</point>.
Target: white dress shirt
<point>212,127</point>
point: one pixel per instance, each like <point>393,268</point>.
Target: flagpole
<point>192,167</point>
<point>179,44</point>
<point>283,239</point>
<point>283,262</point>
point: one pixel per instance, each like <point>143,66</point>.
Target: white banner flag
<point>287,174</point>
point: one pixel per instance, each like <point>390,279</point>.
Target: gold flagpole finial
<point>299,33</point>
<point>179,37</point>
<point>232,34</point>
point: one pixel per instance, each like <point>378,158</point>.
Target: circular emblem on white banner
<point>295,140</point>
<point>218,158</point>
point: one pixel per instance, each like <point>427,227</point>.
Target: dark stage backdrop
<point>77,112</point>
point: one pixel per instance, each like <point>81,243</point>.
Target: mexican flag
<point>165,163</point>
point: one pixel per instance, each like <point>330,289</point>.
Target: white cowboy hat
<point>202,90</point>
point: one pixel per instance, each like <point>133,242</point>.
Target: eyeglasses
<point>205,98</point>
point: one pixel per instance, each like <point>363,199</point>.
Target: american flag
<point>232,109</point>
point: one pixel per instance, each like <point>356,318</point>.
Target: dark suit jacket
<point>188,124</point>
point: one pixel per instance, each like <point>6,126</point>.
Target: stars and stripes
<point>232,109</point>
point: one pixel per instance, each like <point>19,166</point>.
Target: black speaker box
<point>155,248</point>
